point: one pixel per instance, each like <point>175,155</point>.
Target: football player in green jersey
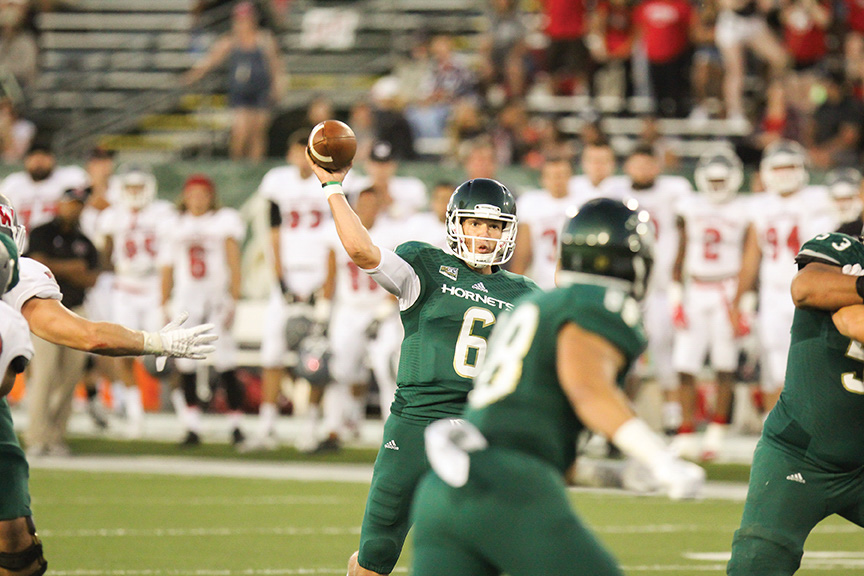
<point>496,501</point>
<point>809,463</point>
<point>449,301</point>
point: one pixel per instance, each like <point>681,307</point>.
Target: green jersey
<point>821,408</point>
<point>446,329</point>
<point>517,401</point>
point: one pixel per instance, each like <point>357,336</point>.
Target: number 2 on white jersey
<point>500,374</point>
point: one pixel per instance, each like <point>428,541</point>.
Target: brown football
<point>332,144</point>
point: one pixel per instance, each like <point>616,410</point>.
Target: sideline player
<point>133,228</point>
<point>358,302</point>
<point>496,502</point>
<point>660,195</point>
<point>300,224</point>
<point>808,463</point>
<point>200,258</point>
<point>711,237</point>
<point>780,220</point>
<point>449,302</point>
<point>542,213</point>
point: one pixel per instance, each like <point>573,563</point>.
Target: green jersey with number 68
<point>821,408</point>
<point>446,329</point>
<point>517,400</point>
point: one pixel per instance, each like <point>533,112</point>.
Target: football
<point>332,145</point>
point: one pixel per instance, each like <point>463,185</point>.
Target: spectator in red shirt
<point>666,29</point>
<point>611,40</point>
<point>568,62</point>
<point>804,25</point>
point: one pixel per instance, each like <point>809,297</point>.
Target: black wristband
<point>283,286</point>
<point>859,286</point>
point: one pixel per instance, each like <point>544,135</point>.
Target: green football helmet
<point>611,239</point>
<point>487,199</point>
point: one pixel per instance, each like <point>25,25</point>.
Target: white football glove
<point>449,443</point>
<point>172,340</point>
<point>679,478</point>
<point>853,270</point>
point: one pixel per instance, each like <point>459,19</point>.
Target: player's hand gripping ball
<point>332,145</point>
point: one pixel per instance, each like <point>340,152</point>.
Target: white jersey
<point>14,337</point>
<point>354,288</point>
<point>714,237</point>
<point>661,201</point>
<point>581,190</point>
<point>545,215</point>
<point>408,194</point>
<point>306,225</point>
<point>136,238</point>
<point>35,280</point>
<point>36,202</point>
<point>782,224</point>
<point>195,247</point>
<point>426,227</point>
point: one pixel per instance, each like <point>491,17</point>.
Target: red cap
<point>200,180</point>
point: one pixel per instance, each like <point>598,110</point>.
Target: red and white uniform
<point>35,280</point>
<point>357,302</point>
<point>195,247</point>
<point>581,189</point>
<point>545,215</point>
<point>661,201</point>
<point>426,227</point>
<point>408,193</point>
<point>15,334</point>
<point>782,224</point>
<point>36,202</point>
<point>303,245</point>
<point>712,260</point>
<point>136,238</point>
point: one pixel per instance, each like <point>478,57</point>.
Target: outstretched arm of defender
<point>52,321</point>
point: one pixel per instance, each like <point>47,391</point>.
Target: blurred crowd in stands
<point>771,68</point>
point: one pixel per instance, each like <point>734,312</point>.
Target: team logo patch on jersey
<point>449,271</point>
<point>479,286</point>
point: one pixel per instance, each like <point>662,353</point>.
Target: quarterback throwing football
<point>449,300</point>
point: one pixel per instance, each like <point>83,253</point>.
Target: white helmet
<point>784,167</point>
<point>137,185</point>
<point>719,174</point>
<point>844,185</point>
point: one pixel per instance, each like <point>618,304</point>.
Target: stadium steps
<point>112,68</point>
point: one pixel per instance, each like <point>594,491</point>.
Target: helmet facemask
<point>138,187</point>
<point>784,168</point>
<point>719,175</point>
<point>463,246</point>
<point>844,185</point>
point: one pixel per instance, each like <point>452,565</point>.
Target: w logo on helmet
<point>7,216</point>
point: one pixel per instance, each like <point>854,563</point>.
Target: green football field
<point>132,524</point>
